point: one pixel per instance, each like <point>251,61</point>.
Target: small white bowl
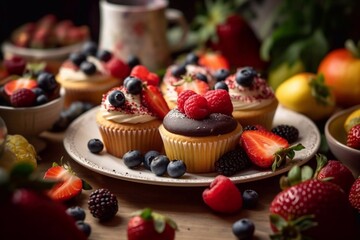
<point>336,138</point>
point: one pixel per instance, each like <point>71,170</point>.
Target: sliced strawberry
<point>16,84</point>
<point>214,61</point>
<point>189,83</point>
<point>69,185</point>
<point>266,149</point>
<point>145,75</point>
<point>152,98</point>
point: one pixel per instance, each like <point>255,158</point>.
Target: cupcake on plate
<point>129,117</point>
<point>253,99</point>
<point>87,74</point>
<point>200,129</point>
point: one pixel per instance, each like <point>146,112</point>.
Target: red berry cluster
<point>198,106</point>
<point>145,75</point>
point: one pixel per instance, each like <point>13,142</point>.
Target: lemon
<point>17,149</point>
<point>352,120</point>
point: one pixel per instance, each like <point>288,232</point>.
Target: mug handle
<point>177,17</point>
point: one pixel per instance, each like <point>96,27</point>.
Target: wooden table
<point>183,204</point>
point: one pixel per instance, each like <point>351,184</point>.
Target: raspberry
<point>223,196</point>
<point>103,204</point>
<point>140,71</point>
<point>219,101</point>
<point>117,68</point>
<point>183,96</point>
<point>232,162</point>
<point>23,97</point>
<point>290,133</point>
<point>196,107</point>
<point>353,137</point>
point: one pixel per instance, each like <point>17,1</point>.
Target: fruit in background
<point>21,36</point>
<point>15,65</point>
<point>213,61</point>
<point>284,71</point>
<point>352,120</point>
<point>24,204</point>
<point>16,84</point>
<point>308,94</point>
<point>149,225</point>
<point>353,137</point>
<point>223,196</point>
<point>354,195</point>
<point>341,69</point>
<point>191,83</point>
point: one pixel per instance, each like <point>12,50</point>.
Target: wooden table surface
<point>183,204</point>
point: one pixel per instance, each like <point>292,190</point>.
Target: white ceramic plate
<point>84,128</point>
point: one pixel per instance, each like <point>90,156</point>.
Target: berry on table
<point>159,165</point>
<point>103,204</point>
<point>250,198</point>
<point>84,227</point>
<point>232,162</point>
<point>176,168</point>
<point>243,229</point>
<point>289,132</point>
<point>95,145</point>
<point>148,157</point>
<point>354,195</point>
<point>133,158</point>
<point>76,212</point>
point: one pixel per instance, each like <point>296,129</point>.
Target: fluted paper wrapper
<point>199,153</point>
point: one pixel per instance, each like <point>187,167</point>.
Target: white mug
<point>139,28</point>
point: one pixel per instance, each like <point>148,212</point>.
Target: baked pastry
<point>197,133</point>
<point>127,121</point>
<point>87,74</point>
<point>253,99</point>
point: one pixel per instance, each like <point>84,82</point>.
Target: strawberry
<point>190,83</point>
<point>314,209</point>
<point>152,98</point>
<point>69,185</point>
<point>214,61</point>
<point>223,196</point>
<point>117,68</point>
<point>353,137</point>
<point>196,107</point>
<point>183,96</point>
<point>145,75</point>
<point>22,97</point>
<point>266,149</point>
<point>335,171</point>
<point>25,205</point>
<point>15,84</point>
<point>354,195</point>
<point>149,225</point>
<point>219,101</point>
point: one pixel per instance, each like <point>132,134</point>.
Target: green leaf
<point>22,170</point>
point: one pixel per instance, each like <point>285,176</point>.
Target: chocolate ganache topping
<point>215,124</point>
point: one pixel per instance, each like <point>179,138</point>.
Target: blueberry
<point>38,91</point>
<point>116,98</point>
<point>133,158</point>
<point>47,82</point>
<point>90,48</point>
<point>88,67</point>
<point>77,58</point>
<point>75,110</point>
<point>221,85</point>
<point>149,156</point>
<point>84,227</point>
<point>41,99</point>
<point>76,212</point>
<point>176,168</point>
<point>159,165</point>
<point>245,76</point>
<point>201,77</point>
<point>104,55</point>
<point>133,85</point>
<point>95,145</point>
<point>192,58</point>
<point>178,71</point>
<point>133,61</point>
<point>243,229</point>
<point>221,74</point>
<point>250,198</point>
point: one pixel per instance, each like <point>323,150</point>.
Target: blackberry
<point>232,162</point>
<point>103,204</point>
<point>289,132</point>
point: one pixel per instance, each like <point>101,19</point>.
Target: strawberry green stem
<point>353,48</point>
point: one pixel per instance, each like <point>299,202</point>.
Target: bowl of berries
<point>343,139</point>
<point>30,104</point>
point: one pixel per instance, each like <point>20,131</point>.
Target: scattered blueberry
<point>84,227</point>
<point>221,85</point>
<point>176,168</point>
<point>88,67</point>
<point>159,165</point>
<point>133,85</point>
<point>148,157</point>
<point>47,82</point>
<point>245,76</point>
<point>179,70</point>
<point>104,55</point>
<point>76,212</point>
<point>95,145</point>
<point>243,229</point>
<point>116,98</point>
<point>250,198</point>
<point>133,158</point>
<point>90,48</point>
<point>221,74</point>
<point>201,77</point>
<point>192,58</point>
<point>77,58</point>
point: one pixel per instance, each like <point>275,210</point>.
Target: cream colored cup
<point>139,28</point>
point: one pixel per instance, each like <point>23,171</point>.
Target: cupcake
<point>200,130</point>
<point>87,74</point>
<point>129,118</point>
<point>253,99</point>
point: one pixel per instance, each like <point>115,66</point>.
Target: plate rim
<point>189,179</point>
